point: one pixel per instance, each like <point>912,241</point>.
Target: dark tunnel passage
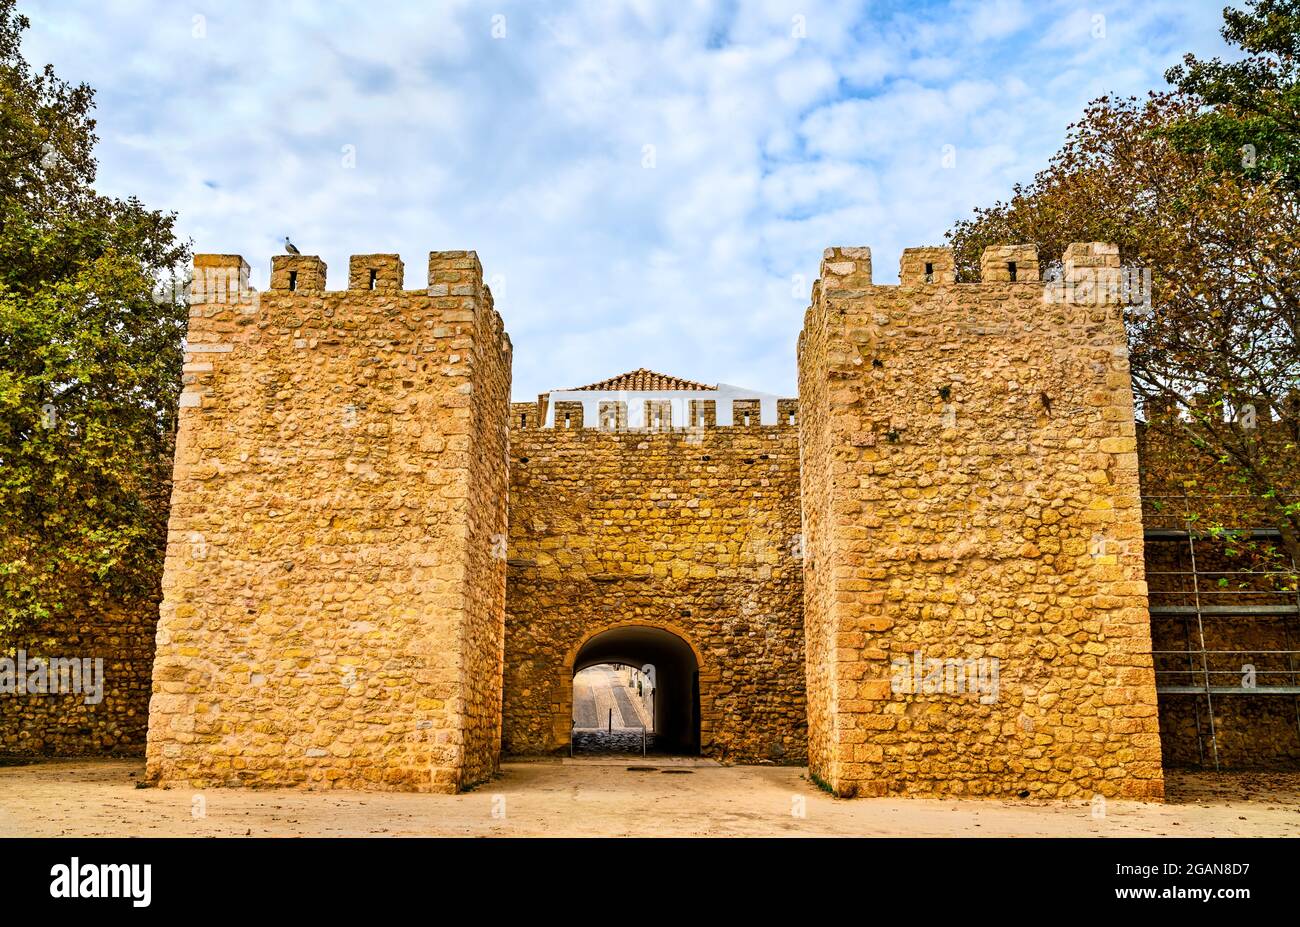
<point>677,679</point>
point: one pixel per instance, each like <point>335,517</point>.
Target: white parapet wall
<point>723,395</point>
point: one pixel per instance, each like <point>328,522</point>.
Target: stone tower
<point>335,575</point>
<point>975,603</point>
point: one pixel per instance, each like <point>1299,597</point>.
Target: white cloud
<point>773,138</point>
<point>995,19</point>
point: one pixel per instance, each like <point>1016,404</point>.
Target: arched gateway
<point>651,515</point>
<point>677,689</point>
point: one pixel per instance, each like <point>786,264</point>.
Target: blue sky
<point>646,184</point>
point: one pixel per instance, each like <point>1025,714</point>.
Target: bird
<point>289,246</point>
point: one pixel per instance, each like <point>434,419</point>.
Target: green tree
<point>1249,120</point>
<point>90,337</point>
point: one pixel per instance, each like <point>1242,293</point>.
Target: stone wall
<point>333,583</point>
<point>818,454</point>
<point>693,531</point>
<point>971,495</point>
<point>36,724</point>
<point>962,486</point>
<point>483,629</point>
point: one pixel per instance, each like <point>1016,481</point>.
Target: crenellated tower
<point>334,582</point>
<point>975,604</point>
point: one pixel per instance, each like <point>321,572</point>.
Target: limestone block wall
<point>817,457</point>
<point>972,522</point>
<point>483,629</point>
<point>692,531</point>
<point>334,579</point>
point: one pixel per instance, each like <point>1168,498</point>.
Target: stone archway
<point>679,723</point>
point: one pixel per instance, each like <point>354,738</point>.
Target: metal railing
<point>1202,674</point>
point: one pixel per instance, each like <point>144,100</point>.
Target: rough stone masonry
<point>970,485</point>
<point>691,531</point>
<point>335,607</point>
<point>335,576</point>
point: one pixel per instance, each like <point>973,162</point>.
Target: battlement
<point>924,266</point>
<point>223,277</point>
<point>220,278</point>
<point>297,272</point>
<point>656,415</point>
<point>1089,276</point>
<point>382,272</point>
<point>224,306</point>
<point>688,408</point>
<point>1009,264</point>
<point>1087,264</point>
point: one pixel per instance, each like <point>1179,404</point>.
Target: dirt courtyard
<point>606,797</point>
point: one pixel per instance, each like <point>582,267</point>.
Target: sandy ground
<point>606,797</point>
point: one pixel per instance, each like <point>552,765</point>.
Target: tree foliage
<point>1163,178</point>
<point>89,360</point>
<point>1249,121</point>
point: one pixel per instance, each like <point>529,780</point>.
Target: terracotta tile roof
<point>643,379</point>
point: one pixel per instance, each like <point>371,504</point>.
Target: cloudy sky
<point>647,184</point>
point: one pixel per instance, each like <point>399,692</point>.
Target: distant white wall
<point>680,399</point>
